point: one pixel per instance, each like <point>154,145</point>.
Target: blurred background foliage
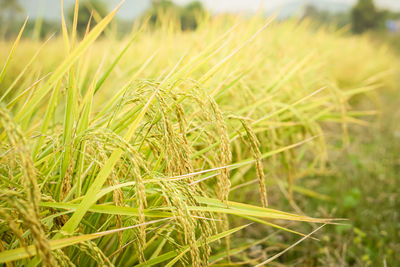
<point>364,16</point>
<point>188,15</point>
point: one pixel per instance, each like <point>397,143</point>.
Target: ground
<point>365,192</point>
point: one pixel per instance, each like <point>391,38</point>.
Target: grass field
<point>363,189</point>
<point>219,146</point>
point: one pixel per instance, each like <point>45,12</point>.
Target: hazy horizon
<point>51,9</point>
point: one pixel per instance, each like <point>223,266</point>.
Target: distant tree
<point>388,14</point>
<point>188,15</point>
<point>9,9</point>
<point>365,16</point>
<point>339,19</point>
<point>86,8</point>
<point>311,11</point>
<point>162,6</point>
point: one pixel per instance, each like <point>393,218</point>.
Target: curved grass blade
<point>176,255</point>
<point>91,195</point>
<point>64,67</point>
<point>10,56</point>
<point>107,209</point>
<point>22,253</point>
<point>287,249</point>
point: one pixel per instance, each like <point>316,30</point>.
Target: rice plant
<point>160,147</point>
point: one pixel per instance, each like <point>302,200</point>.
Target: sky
<point>51,9</point>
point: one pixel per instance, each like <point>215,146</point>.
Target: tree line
<point>364,16</point>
